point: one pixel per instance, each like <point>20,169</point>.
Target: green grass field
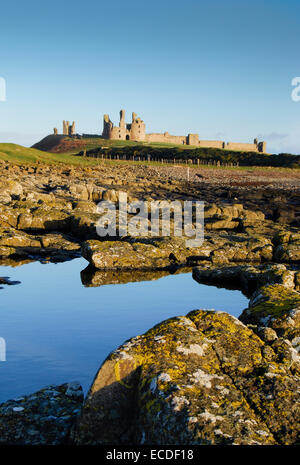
<point>19,154</point>
<point>24,155</point>
<point>99,142</point>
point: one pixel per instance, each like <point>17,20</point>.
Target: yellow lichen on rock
<point>201,379</point>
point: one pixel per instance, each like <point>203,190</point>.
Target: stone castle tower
<point>68,129</point>
<point>136,130</point>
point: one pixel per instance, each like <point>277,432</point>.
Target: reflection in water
<point>94,278</point>
<point>57,330</point>
<point>13,262</point>
<point>6,280</point>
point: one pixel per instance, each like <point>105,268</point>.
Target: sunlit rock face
<point>201,379</point>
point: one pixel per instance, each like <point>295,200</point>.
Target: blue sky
<point>220,69</point>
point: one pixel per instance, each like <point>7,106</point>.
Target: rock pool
<point>58,330</point>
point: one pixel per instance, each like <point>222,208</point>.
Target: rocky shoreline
<point>45,417</point>
<point>203,378</point>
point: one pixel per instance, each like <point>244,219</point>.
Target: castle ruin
<point>68,129</point>
<point>136,131</point>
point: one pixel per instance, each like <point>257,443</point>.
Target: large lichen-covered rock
<point>10,188</point>
<point>83,225</point>
<point>143,253</point>
<point>287,247</point>
<point>17,243</point>
<point>246,277</point>
<point>85,191</point>
<point>277,307</point>
<point>223,223</point>
<point>45,217</point>
<point>79,191</point>
<point>20,244</point>
<point>201,379</point>
<point>230,217</point>
<point>125,254</point>
<point>140,253</point>
<point>33,214</point>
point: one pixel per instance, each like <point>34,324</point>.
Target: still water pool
<point>57,330</point>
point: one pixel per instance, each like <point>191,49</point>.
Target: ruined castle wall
<point>138,130</point>
<point>217,144</point>
<point>193,139</point>
<point>166,138</point>
<point>65,127</point>
<point>72,129</point>
<point>241,147</point>
<point>262,147</point>
<point>118,133</point>
<point>122,119</point>
<point>107,127</point>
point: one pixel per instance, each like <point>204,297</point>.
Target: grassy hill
<point>65,144</point>
<point>19,154</point>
